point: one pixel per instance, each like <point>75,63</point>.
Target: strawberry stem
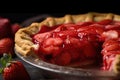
<point>1,70</point>
<point>4,60</point>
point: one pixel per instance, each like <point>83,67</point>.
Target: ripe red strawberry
<point>13,70</point>
<point>14,28</point>
<point>4,28</point>
<point>6,46</point>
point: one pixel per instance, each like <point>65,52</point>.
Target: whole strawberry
<point>5,28</point>
<point>14,28</point>
<point>13,70</point>
<point>6,46</point>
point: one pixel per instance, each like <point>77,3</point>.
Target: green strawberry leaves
<point>5,61</point>
<point>1,70</point>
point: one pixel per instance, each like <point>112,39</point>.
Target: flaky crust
<point>116,64</point>
<point>23,41</point>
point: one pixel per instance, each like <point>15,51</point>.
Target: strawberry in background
<point>10,70</point>
<point>6,46</point>
<point>7,34</point>
<point>5,28</point>
<point>13,70</point>
<point>14,28</point>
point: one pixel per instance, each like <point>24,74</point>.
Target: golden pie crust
<point>25,46</point>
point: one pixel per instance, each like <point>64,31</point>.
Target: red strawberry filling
<point>70,43</point>
<point>110,49</point>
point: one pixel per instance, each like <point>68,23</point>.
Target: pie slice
<point>74,40</point>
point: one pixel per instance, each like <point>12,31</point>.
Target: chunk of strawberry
<point>110,42</point>
<point>65,34</point>
<point>89,51</point>
<point>69,26</point>
<point>105,22</point>
<point>111,47</point>
<point>52,46</point>
<point>38,38</point>
<point>76,55</point>
<point>111,34</point>
<point>83,24</point>
<point>112,27</point>
<point>63,59</point>
<point>53,41</point>
<point>108,61</point>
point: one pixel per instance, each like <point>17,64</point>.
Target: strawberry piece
<point>6,46</point>
<point>105,22</point>
<point>111,34</point>
<point>40,37</point>
<point>93,29</point>
<point>83,24</point>
<point>109,42</point>
<point>65,34</point>
<point>63,59</point>
<point>89,51</point>
<point>108,61</point>
<point>110,49</point>
<point>50,50</point>
<point>112,27</point>
<point>76,55</point>
<point>53,41</point>
<point>69,26</point>
<point>52,46</point>
<point>13,70</point>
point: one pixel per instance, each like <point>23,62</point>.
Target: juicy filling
<point>82,42</point>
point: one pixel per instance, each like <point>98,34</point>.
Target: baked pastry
<point>74,40</point>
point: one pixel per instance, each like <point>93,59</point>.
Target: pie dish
<point>91,37</point>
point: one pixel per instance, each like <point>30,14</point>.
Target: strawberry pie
<point>74,40</point>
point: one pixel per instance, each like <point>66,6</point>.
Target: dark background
<point>18,11</point>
